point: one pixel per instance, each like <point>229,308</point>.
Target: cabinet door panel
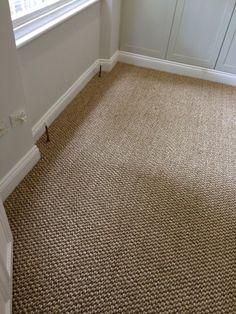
<point>146,26</point>
<point>198,31</point>
<point>227,58</point>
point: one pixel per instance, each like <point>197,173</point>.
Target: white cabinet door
<point>146,26</point>
<point>227,58</point>
<point>5,263</point>
<point>198,31</point>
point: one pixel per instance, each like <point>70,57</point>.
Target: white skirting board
<point>18,172</point>
<point>64,100</point>
<point>108,64</point>
<point>68,96</point>
<point>177,68</point>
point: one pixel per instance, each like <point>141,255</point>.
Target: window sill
<point>35,28</point>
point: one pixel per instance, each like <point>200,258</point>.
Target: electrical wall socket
<point>18,117</point>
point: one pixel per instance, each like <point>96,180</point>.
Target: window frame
<point>34,24</point>
<point>37,13</point>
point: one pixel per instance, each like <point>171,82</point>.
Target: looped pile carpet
<point>132,208</point>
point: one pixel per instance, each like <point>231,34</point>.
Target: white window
<point>20,8</point>
<point>33,17</point>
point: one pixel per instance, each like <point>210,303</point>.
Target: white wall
<point>110,27</point>
<point>115,34</point>
<point>18,141</point>
<point>51,63</point>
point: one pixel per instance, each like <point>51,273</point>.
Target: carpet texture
<point>132,208</point>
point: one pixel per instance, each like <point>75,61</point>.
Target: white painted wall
<point>116,17</point>
<point>110,27</point>
<point>18,141</point>
<point>51,63</point>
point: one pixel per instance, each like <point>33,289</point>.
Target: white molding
<point>177,68</point>
<point>18,172</point>
<point>63,101</point>
<point>108,64</point>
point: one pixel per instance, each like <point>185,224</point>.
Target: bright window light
<point>34,17</point>
<point>21,8</point>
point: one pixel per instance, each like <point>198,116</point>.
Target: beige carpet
<point>132,208</point>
